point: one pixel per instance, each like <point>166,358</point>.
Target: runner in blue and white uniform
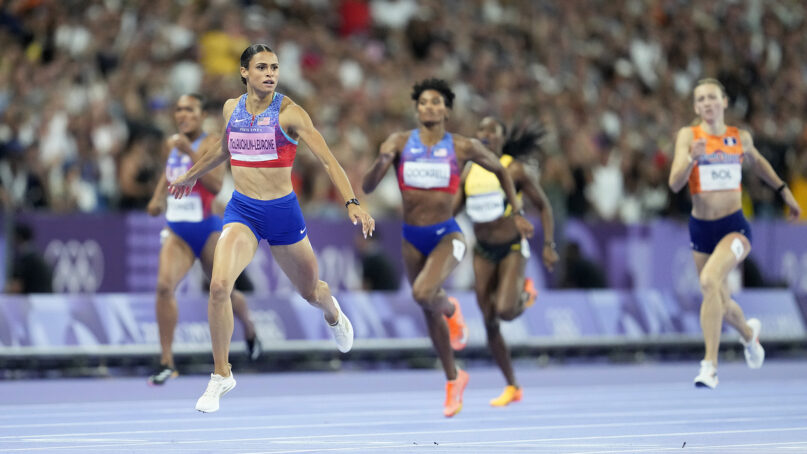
<point>192,230</point>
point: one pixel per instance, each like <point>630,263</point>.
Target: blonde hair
<point>711,81</point>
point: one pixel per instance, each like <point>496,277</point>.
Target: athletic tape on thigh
<point>459,249</point>
<point>737,248</point>
<point>525,248</point>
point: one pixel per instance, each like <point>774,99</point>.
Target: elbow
<point>213,185</point>
<point>546,210</point>
<point>671,183</point>
<point>213,188</point>
<point>369,182</point>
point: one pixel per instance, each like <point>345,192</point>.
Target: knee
<point>710,286</point>
<point>219,290</point>
<point>164,290</point>
<point>508,314</point>
<point>423,296</point>
<point>310,292</point>
<point>492,325</point>
<point>725,296</point>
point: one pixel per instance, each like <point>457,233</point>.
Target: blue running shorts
<point>704,235</point>
<point>426,237</point>
<point>195,234</point>
<point>278,221</point>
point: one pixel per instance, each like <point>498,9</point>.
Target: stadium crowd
<point>87,89</point>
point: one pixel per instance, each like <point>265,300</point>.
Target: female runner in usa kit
<point>193,230</point>
<point>263,128</point>
<point>428,160</point>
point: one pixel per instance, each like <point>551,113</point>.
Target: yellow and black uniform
<point>485,201</point>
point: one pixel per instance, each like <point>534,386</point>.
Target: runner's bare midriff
<point>262,183</point>
<point>499,231</point>
<point>708,206</point>
<point>425,207</point>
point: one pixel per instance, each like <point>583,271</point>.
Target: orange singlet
<point>720,168</point>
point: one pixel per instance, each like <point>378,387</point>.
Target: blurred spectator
<point>580,272</point>
<point>30,272</point>
<point>798,175</point>
<point>21,181</point>
<point>139,172</point>
<point>378,273</point>
<point>354,18</point>
<point>611,79</point>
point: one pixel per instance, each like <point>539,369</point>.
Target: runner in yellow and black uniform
<point>501,253</point>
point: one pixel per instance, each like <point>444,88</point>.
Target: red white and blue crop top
<point>259,140</point>
<point>432,168</point>
<point>196,207</point>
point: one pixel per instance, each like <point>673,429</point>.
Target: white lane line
<point>721,448</point>
<point>429,418</point>
<point>83,440</point>
<point>428,432</point>
<point>498,445</point>
<point>364,447</point>
<point>656,448</point>
<point>584,394</point>
<point>180,407</point>
<point>530,413</point>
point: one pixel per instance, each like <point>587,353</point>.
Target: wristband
<point>781,188</point>
<point>354,201</point>
<point>520,212</point>
<point>550,243</point>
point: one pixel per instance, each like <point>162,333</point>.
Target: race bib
<point>426,175</point>
<point>186,209</point>
<point>252,144</point>
<point>485,207</point>
<point>720,177</point>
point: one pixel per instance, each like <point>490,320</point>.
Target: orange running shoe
<point>457,329</point>
<point>530,290</point>
<point>454,389</point>
<point>510,394</point>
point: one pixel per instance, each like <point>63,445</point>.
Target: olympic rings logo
<point>78,266</point>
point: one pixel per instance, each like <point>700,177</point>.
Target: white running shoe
<point>342,331</point>
<point>216,387</point>
<point>754,353</point>
<point>707,377</point>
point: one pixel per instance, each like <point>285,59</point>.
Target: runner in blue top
<point>260,139</point>
<point>193,230</point>
<point>428,160</point>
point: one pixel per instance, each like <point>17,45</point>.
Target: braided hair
<point>524,142</point>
